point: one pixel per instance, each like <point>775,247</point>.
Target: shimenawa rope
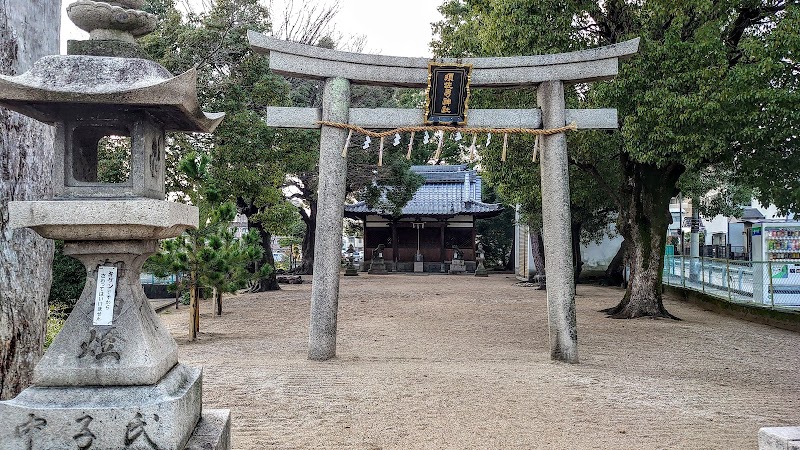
<point>441,128</point>
<point>467,130</point>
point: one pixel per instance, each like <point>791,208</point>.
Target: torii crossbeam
<point>548,73</point>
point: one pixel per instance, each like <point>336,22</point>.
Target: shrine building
<point>441,214</point>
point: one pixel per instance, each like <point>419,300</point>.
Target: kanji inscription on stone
<point>105,294</point>
<point>448,93</point>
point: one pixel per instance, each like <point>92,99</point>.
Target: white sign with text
<point>104,296</point>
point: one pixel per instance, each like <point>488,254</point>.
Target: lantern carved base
<point>133,349</point>
<point>111,378</point>
<point>160,416</point>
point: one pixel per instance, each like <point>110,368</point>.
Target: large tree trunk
<point>306,266</point>
<point>217,294</point>
<point>577,259</point>
<point>28,31</point>
<point>537,249</point>
<point>616,268</point>
<point>643,224</point>
<point>270,283</point>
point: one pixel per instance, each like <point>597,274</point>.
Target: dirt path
<point>462,362</point>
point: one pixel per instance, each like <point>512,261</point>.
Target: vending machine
<point>776,263</point>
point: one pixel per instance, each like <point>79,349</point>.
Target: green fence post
<point>683,271</point>
<point>702,273</point>
<point>728,277</point>
<point>771,290</point>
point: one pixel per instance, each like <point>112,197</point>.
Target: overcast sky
<point>392,28</point>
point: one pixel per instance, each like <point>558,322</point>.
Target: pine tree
<point>210,256</point>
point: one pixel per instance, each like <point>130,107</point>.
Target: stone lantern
<point>111,378</point>
<point>350,269</point>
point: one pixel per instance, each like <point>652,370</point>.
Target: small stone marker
<point>457,265</point>
<point>779,438</point>
<point>105,295</point>
<point>378,266</point>
<point>419,265</point>
<point>480,269</point>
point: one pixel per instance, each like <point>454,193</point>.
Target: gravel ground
<point>462,362</point>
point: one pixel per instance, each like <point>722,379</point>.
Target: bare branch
<point>601,180</point>
<point>306,24</point>
<point>747,17</point>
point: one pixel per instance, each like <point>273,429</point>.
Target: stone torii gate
<point>548,73</point>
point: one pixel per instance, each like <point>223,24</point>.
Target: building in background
<point>596,256</point>
<point>731,237</point>
<point>358,246</point>
<point>441,215</point>
<point>282,255</point>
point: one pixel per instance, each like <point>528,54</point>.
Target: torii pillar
<point>328,244</point>
<point>557,217</point>
<point>549,73</point>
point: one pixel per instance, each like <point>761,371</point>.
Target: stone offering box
<point>457,266</point>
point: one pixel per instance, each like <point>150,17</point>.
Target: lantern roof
<point>73,86</point>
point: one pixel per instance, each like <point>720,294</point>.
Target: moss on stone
<point>118,49</point>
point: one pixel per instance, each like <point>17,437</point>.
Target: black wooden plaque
<point>448,94</point>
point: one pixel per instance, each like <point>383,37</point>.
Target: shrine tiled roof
<point>447,191</point>
<point>751,214</point>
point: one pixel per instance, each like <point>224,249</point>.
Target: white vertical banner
<point>105,294</point>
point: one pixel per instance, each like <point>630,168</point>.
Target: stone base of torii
<point>549,73</point>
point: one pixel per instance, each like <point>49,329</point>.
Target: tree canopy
<point>270,173</point>
<point>712,88</point>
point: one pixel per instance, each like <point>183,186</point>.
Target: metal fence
<point>767,284</point>
<point>149,278</point>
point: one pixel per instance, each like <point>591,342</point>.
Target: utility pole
<point>694,266</point>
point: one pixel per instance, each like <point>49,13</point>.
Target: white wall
<point>718,224</point>
<point>736,238</point>
<point>769,212</point>
<point>597,256</point>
